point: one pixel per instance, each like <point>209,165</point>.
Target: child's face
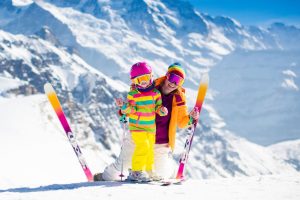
<point>144,84</point>
<point>143,81</point>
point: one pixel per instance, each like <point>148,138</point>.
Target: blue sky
<point>253,12</point>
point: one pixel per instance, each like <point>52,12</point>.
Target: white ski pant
<point>164,164</point>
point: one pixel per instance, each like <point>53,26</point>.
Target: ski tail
<point>191,130</point>
<point>180,171</point>
<point>54,101</point>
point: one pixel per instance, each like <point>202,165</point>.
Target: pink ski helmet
<point>139,69</point>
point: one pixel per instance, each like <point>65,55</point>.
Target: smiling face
<point>144,84</point>
<point>168,87</point>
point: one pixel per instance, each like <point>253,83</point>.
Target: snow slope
<point>261,187</point>
<point>34,149</point>
<point>288,151</point>
<point>257,94</point>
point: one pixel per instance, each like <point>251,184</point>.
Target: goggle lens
<point>174,78</point>
<point>143,78</point>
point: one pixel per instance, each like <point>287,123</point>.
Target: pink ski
<point>191,130</point>
<point>52,97</point>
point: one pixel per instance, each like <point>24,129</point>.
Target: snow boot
<point>138,176</point>
<point>98,177</point>
<point>153,176</point>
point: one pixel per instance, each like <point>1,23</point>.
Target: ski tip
<point>48,88</point>
<point>205,78</point>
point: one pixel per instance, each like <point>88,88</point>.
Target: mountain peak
<point>287,35</point>
<point>46,33</point>
<point>280,25</point>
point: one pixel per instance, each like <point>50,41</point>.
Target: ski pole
<point>124,121</point>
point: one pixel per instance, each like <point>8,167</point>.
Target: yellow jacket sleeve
<point>183,116</point>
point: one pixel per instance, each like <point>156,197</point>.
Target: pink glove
<point>119,102</point>
<point>195,113</point>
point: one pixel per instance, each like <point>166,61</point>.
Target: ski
<point>174,181</point>
<point>191,130</point>
<point>54,101</point>
<point>165,182</point>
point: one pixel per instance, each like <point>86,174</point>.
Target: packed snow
<point>262,187</point>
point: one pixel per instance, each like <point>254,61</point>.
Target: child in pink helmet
<point>143,102</point>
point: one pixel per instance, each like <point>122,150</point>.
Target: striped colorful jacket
<point>141,108</point>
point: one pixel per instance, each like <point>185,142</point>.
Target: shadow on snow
<point>70,186</point>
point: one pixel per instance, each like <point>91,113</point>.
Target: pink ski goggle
<point>174,78</point>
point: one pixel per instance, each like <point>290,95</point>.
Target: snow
<point>29,148</point>
<point>288,151</point>
<point>289,84</point>
<point>289,73</point>
<point>291,147</point>
<point>261,187</point>
<point>9,83</point>
<point>68,73</point>
<point>22,2</point>
<point>13,51</point>
<point>257,94</point>
<point>34,149</point>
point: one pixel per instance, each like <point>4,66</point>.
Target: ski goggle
<point>174,78</point>
<point>143,78</point>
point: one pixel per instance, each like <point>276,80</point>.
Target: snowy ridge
<point>31,51</point>
<point>288,151</point>
<point>262,95</point>
<point>217,152</point>
<point>107,33</point>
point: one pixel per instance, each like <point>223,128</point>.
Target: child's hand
<point>119,102</point>
<point>195,113</point>
<point>164,110</point>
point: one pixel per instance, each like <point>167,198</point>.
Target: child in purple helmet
<point>143,102</point>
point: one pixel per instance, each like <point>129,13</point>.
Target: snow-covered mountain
<point>257,94</point>
<point>85,49</point>
<point>116,34</point>
<point>288,151</point>
<point>287,36</point>
<point>27,63</point>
